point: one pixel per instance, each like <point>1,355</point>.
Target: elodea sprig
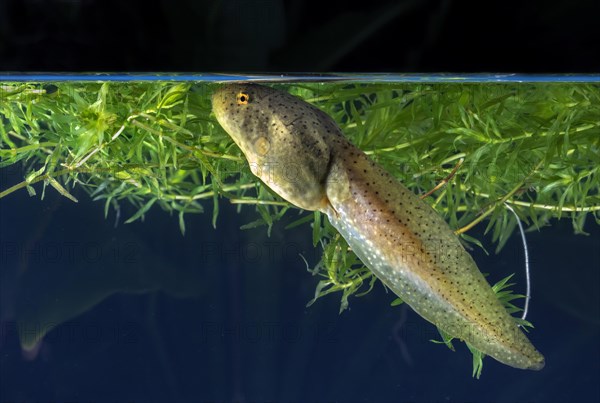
<point>535,145</point>
<point>149,144</point>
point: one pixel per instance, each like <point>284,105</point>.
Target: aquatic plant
<point>534,147</point>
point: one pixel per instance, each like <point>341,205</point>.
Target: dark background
<point>294,35</point>
<point>227,320</point>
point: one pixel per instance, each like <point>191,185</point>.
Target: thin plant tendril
<point>527,276</point>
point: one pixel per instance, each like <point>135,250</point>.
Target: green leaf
<point>396,302</point>
<point>142,210</point>
<point>316,228</point>
<point>215,204</point>
<point>61,189</point>
<point>475,241</point>
<point>181,222</point>
<point>446,339</point>
<point>477,361</point>
<point>302,220</point>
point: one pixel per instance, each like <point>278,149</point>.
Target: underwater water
<point>96,309</point>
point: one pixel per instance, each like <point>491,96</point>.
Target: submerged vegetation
<point>535,147</point>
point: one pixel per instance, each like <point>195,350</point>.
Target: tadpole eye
<point>243,98</point>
